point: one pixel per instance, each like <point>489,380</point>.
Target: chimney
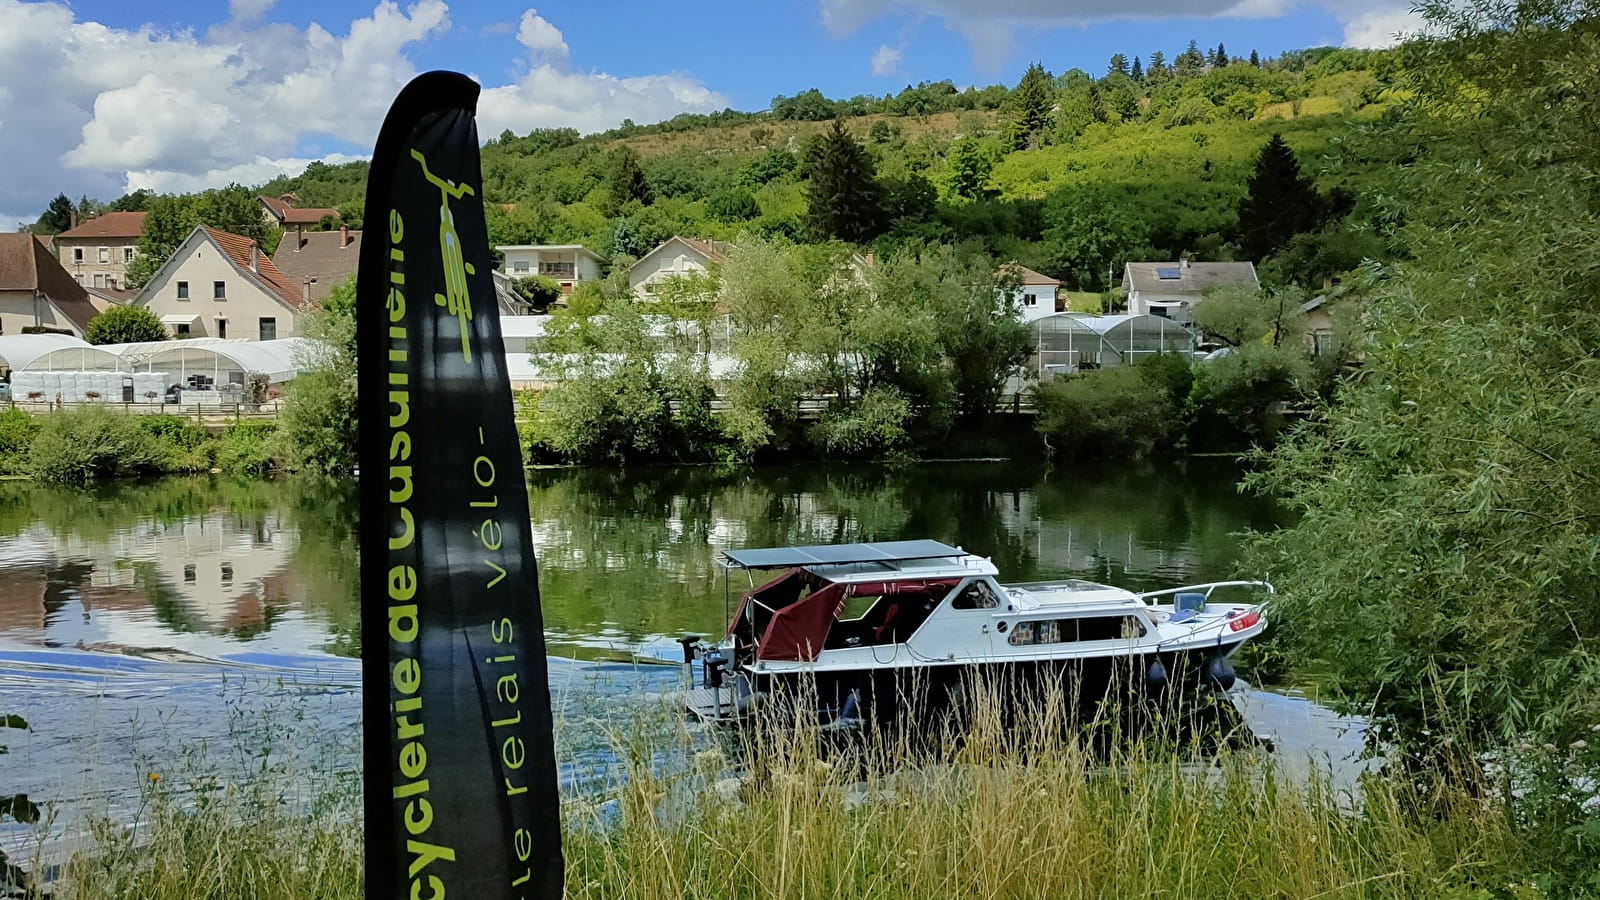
<point>305,290</point>
<point>344,236</point>
<point>72,220</point>
<point>255,257</point>
<point>1184,261</point>
<point>299,237</point>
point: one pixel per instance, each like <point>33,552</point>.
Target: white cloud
<point>1381,27</point>
<point>543,40</point>
<point>252,172</point>
<point>249,10</point>
<point>552,93</point>
<point>98,111</point>
<point>886,61</point>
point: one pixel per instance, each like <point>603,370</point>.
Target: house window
<point>181,330</point>
<point>188,573</point>
<point>1321,343</point>
<point>222,327</point>
<point>1030,300</point>
<point>183,290</point>
<point>219,290</point>
<point>127,254</point>
<point>77,254</point>
<point>105,254</point>
<point>269,328</point>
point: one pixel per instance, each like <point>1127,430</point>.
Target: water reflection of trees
<point>634,550</point>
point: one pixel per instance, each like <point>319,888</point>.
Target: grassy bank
<point>1011,812</point>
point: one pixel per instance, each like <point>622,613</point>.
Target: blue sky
<point>185,94</point>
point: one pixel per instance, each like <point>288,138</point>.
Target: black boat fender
<point>1156,674</point>
<point>1219,672</point>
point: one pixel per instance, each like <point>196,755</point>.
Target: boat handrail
<point>1207,588</point>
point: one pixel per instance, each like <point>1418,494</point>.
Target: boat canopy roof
<point>887,552</point>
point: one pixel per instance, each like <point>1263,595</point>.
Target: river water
<point>146,626</point>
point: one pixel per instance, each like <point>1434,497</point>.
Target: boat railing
<point>1206,589</point>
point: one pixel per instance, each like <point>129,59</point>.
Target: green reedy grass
<point>1017,809</point>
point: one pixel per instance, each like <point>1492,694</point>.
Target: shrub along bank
<point>80,445</point>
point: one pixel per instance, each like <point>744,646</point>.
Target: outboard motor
<point>715,661</point>
<point>1219,673</point>
<point>688,642</point>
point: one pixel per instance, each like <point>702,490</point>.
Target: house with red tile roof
<point>37,293</point>
<point>318,261</point>
<point>284,212</point>
<point>222,285</point>
<point>96,252</point>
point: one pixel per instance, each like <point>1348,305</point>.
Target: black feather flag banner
<point>461,796</point>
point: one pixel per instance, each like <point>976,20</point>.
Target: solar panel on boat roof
<point>838,554</point>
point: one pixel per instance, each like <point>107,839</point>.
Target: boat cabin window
<point>976,595</point>
<point>887,619</point>
<point>1087,628</point>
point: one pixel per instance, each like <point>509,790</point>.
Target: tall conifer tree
<point>843,197</point>
<point>628,181</point>
<point>1031,107</point>
<point>1138,70</point>
<point>1282,202</point>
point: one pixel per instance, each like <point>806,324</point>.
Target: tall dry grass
<point>1027,806</point>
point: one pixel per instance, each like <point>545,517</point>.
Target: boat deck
<point>714,705</point>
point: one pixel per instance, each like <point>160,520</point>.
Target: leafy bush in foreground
<point>90,442</point>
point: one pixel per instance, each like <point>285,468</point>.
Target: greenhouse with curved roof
<point>216,360</point>
<point>55,353</point>
<point>1071,342</point>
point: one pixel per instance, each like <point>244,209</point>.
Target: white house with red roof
<point>1034,294</point>
<point>96,252</point>
<point>221,285</point>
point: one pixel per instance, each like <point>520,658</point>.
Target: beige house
<point>315,261</point>
<point>677,257</point>
<point>1171,289</point>
<point>221,285</point>
<point>567,264</point>
<point>97,252</point>
<point>37,293</point>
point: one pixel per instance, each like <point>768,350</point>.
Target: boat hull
<point>934,694</point>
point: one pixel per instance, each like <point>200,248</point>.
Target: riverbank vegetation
<point>1443,577</point>
<point>1027,810</point>
<point>86,443</point>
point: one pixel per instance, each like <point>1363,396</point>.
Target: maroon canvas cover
<point>797,631</point>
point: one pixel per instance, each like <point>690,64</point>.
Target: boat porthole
<point>1001,628</point>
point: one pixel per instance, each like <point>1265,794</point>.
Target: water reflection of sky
<point>138,622</point>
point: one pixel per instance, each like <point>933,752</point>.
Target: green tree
<point>843,198</point>
<point>1221,57</point>
<point>1442,574</point>
<point>1118,65</point>
<point>1158,66</point>
<point>627,181</point>
<point>125,325</point>
<point>168,220</point>
<point>1281,201</point>
<point>538,291</point>
<point>733,205</point>
<point>1137,72</point>
<point>133,201</point>
<point>317,427</point>
<point>969,169</point>
<point>1030,117</point>
<point>57,216</point>
<point>1188,63</point>
<point>1255,59</point>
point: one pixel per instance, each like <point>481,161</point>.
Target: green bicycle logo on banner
<point>455,299</point>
